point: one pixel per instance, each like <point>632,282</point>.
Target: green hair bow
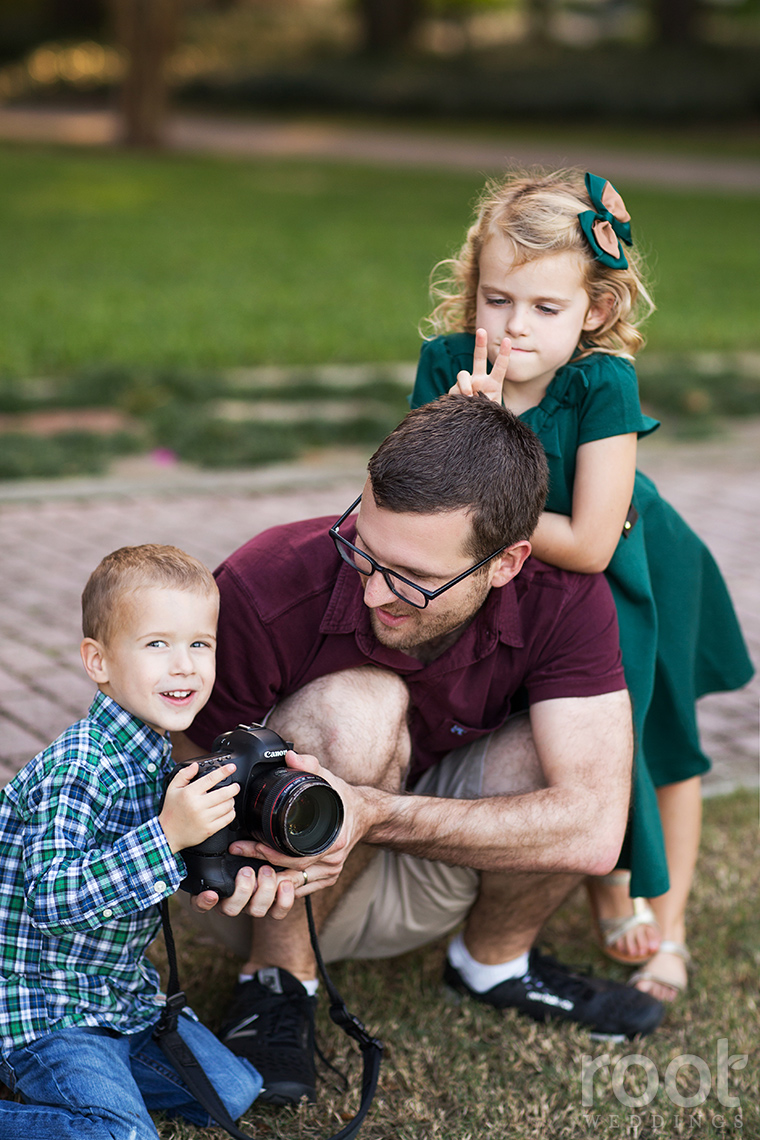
<point>609,226</point>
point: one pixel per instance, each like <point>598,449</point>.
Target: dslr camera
<point>294,812</point>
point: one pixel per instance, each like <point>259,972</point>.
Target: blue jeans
<point>96,1084</point>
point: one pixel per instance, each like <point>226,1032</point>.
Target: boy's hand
<point>194,811</point>
<point>480,379</point>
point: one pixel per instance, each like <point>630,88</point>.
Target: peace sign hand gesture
<point>480,380</point>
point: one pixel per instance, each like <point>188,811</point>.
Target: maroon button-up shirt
<point>293,611</point>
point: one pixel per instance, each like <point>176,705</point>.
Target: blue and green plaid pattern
<point>83,862</point>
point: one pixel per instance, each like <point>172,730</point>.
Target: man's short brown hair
<point>465,452</point>
<point>130,568</point>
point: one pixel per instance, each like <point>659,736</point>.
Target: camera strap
<point>191,1070</point>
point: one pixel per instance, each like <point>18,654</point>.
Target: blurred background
<point>218,217</point>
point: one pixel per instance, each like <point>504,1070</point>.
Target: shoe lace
<point>546,973</point>
<point>289,1024</point>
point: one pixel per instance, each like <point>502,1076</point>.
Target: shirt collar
<point>498,620</point>
<point>132,735</point>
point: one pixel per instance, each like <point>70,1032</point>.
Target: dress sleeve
<point>435,373</point>
<point>610,403</point>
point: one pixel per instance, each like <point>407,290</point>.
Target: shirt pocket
<point>452,733</point>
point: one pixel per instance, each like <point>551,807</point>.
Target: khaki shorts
<point>400,901</point>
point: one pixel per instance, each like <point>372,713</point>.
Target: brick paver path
<point>50,541</point>
<point>381,145</point>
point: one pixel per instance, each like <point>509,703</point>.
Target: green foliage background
<point>200,263</point>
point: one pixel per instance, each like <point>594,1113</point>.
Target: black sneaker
<point>271,1023</point>
<point>550,990</point>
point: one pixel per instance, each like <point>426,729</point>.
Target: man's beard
<point>426,635</point>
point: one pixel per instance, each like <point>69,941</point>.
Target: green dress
<point>679,634</point>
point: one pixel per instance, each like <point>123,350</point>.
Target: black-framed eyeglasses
<point>399,585</point>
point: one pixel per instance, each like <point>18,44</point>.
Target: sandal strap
<point>613,929</point>
<point>650,976</point>
<point>668,946</point>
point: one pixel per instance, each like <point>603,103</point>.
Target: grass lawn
<point>141,283</point>
<point>464,1072</point>
<point>182,262</point>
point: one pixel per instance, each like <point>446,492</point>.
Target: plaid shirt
<point>83,862</point>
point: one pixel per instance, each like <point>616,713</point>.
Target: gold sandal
<point>611,930</point>
<point>667,946</point>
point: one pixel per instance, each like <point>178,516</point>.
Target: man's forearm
<point>552,829</point>
<point>575,822</point>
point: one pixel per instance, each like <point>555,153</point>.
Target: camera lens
<point>301,816</point>
<point>294,812</point>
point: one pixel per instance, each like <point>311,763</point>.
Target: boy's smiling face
<point>159,663</point>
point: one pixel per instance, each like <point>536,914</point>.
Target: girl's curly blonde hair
<point>537,211</point>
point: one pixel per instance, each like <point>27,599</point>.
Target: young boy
<point>86,856</point>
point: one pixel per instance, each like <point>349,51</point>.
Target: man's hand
<point>480,379</point>
<point>256,893</point>
<point>321,870</point>
<point>274,892</point>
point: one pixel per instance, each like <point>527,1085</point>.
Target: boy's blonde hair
<point>537,211</point>
<point>131,568</point>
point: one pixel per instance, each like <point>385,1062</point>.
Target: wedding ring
<point>305,878</point>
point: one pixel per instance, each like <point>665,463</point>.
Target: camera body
<point>294,812</point>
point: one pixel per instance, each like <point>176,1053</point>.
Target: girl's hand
<point>480,379</point>
<point>194,811</point>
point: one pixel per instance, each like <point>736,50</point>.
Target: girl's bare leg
<point>681,814</point>
<point>612,901</point>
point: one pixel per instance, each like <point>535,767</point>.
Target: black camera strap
<point>190,1069</point>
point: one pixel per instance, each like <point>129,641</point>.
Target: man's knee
<point>511,765</point>
<point>354,722</point>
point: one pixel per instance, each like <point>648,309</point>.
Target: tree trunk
<point>540,13</point>
<point>74,17</point>
<point>675,21</point>
<point>387,24</point>
<point>147,31</point>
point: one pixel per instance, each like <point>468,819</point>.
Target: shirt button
<point>107,912</point>
<point>159,887</point>
<point>151,767</point>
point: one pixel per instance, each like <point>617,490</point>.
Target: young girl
<point>539,309</point>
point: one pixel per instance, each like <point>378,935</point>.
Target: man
<point>382,644</point>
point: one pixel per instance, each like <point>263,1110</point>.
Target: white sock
<point>480,977</point>
<point>311,986</point>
